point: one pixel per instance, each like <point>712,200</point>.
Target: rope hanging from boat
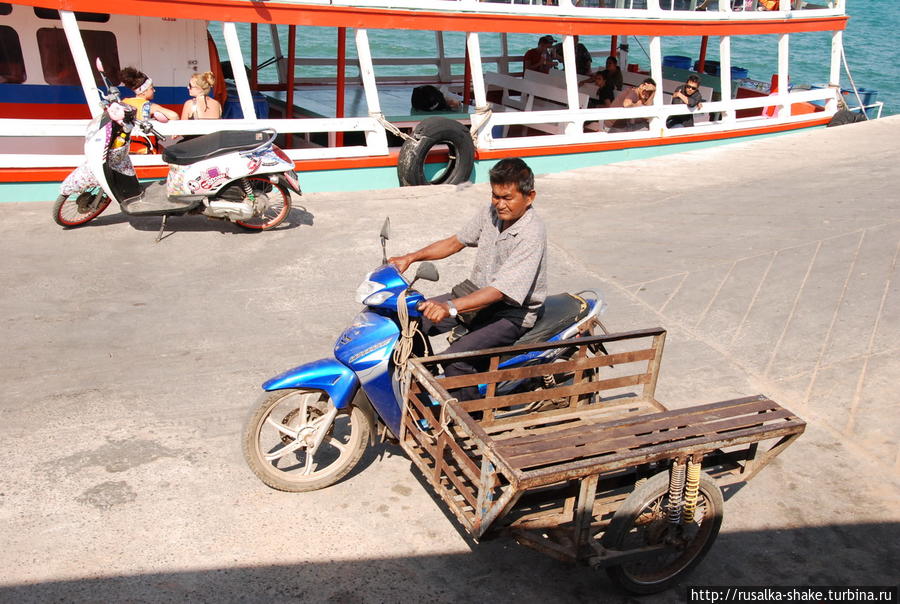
<point>379,117</point>
<point>480,119</point>
<point>853,84</point>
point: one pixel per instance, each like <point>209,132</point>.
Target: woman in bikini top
<point>201,106</point>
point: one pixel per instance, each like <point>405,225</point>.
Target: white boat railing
<point>571,121</point>
<point>612,9</point>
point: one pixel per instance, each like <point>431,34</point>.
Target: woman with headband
<point>201,106</point>
<point>143,94</point>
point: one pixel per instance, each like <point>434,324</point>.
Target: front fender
<point>335,378</point>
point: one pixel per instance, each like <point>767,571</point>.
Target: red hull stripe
<point>350,163</point>
<point>371,18</point>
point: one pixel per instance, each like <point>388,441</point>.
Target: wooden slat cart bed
<point>581,461</point>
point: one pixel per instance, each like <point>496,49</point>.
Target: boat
<point>347,120</point>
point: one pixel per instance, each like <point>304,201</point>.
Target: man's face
<point>509,201</point>
<point>645,90</point>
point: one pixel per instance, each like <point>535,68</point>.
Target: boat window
<point>56,58</point>
<point>5,8</point>
<point>12,67</point>
<point>50,13</point>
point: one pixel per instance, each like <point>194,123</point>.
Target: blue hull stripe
<point>43,94</point>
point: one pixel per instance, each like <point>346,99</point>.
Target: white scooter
<point>235,175</point>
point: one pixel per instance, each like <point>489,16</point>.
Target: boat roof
<point>470,15</point>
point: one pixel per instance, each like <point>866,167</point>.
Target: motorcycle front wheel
<point>273,202</point>
<point>79,208</point>
<point>295,440</point>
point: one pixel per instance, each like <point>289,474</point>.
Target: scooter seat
<point>216,144</point>
<point>560,311</point>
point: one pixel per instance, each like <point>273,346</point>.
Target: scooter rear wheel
<point>276,201</point>
<point>286,423</point>
<point>79,208</point>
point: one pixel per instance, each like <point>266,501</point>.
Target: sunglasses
<point>690,87</point>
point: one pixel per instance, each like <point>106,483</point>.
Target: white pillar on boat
<point>834,78</point>
<point>444,71</point>
<point>725,75</point>
<point>82,62</point>
<point>479,128</point>
<point>503,64</point>
<point>571,75</point>
<point>280,61</point>
<point>656,73</point>
<point>783,63</point>
<point>233,46</point>
<point>375,139</point>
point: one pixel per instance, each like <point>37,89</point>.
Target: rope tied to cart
<point>402,352</point>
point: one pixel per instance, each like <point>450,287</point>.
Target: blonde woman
<point>143,94</point>
<point>201,106</point>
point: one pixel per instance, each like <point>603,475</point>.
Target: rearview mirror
<point>385,235</point>
<point>99,65</point>
<point>427,271</point>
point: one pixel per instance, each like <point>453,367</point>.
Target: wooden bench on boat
<point>522,94</point>
<point>552,463</point>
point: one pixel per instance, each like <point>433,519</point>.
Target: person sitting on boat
<point>143,94</point>
<point>688,94</point>
<point>642,96</point>
<point>605,95</point>
<point>612,73</point>
<point>582,56</point>
<point>539,58</point>
<point>201,106</point>
<point>505,293</point>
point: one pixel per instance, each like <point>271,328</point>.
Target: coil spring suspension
<point>676,489</point>
<point>248,190</point>
<point>549,381</point>
<point>691,491</point>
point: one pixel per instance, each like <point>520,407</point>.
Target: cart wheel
<point>641,521</point>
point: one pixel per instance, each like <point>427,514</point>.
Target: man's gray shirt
<point>513,261</point>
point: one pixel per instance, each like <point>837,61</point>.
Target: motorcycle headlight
<point>377,298</point>
<point>366,289</point>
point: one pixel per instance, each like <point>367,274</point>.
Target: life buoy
<point>429,133</point>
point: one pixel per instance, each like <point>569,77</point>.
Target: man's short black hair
<point>513,170</point>
<point>693,78</point>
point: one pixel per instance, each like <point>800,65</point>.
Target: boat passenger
<point>605,95</point>
<point>582,56</point>
<point>613,73</point>
<point>688,94</point>
<point>539,58</point>
<point>505,293</point>
<point>201,106</point>
<point>642,96</point>
<point>143,94</point>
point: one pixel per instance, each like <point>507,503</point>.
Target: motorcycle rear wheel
<point>79,208</point>
<point>277,201</point>
<point>280,429</point>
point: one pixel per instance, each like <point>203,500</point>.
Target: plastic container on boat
<point>679,61</point>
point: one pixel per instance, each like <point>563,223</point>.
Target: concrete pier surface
<point>128,368</point>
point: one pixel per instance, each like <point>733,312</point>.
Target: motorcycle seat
<point>560,311</point>
<point>216,144</point>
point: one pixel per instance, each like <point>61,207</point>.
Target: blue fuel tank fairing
<point>366,347</point>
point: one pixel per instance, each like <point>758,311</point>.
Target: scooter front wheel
<point>296,440</point>
<point>272,201</point>
<point>79,208</point>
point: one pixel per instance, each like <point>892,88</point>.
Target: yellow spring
<point>691,491</point>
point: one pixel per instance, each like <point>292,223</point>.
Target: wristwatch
<point>452,307</point>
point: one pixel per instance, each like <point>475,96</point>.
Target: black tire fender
<point>430,132</point>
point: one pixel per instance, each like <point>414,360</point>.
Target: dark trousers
<point>484,332</point>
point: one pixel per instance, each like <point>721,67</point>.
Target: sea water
<point>869,42</point>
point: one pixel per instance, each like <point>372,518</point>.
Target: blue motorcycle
<point>313,422</point>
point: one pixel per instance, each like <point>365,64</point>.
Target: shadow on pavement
<point>499,571</point>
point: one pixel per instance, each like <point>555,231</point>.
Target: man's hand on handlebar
<point>401,263</point>
<point>434,311</point>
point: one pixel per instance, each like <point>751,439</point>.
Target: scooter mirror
<point>386,228</point>
<point>159,117</point>
<point>99,65</point>
<point>427,271</point>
